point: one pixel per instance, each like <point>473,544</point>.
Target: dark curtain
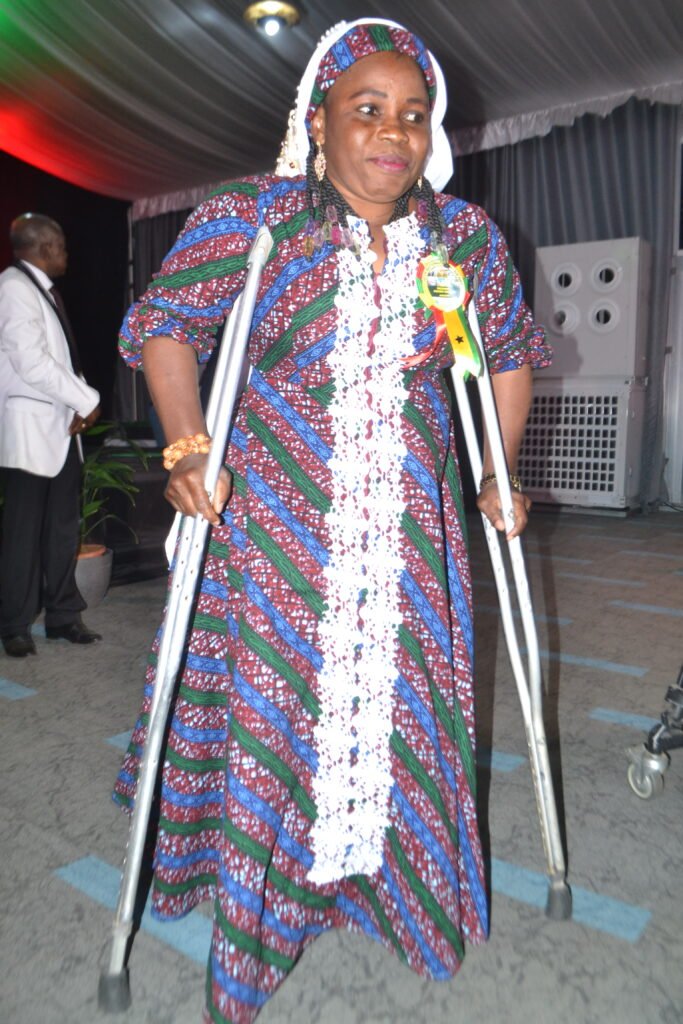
<point>601,178</point>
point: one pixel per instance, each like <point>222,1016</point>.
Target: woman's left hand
<point>489,504</point>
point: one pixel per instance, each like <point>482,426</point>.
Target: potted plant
<point>104,472</point>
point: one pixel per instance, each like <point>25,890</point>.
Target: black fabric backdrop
<point>95,284</point>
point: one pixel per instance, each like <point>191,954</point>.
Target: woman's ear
<point>318,126</point>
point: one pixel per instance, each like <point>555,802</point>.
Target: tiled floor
<point>608,595</point>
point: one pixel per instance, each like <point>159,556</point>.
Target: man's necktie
<point>66,326</point>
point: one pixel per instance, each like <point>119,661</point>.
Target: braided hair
<point>322,194</point>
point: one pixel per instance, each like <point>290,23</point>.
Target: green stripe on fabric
<point>178,888</point>
<point>301,318</point>
<point>217,549</point>
<point>210,623</point>
<point>246,188</point>
<point>471,244</point>
<point>251,945</point>
<point>204,272</point>
<point>509,274</point>
<point>289,228</point>
<point>190,828</point>
<point>276,765</point>
<point>362,884</point>
<point>426,782</point>
<point>452,478</point>
<point>425,547</point>
<point>308,488</point>
<point>454,725</point>
<point>430,904</point>
<point>273,658</point>
<point>235,580</point>
<point>414,416</point>
<point>381,37</point>
<point>324,393</point>
<point>286,567</point>
<point>200,698</point>
<point>239,483</point>
<point>198,765</point>
<point>123,801</point>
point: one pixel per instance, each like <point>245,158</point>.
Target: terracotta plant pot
<point>93,572</point>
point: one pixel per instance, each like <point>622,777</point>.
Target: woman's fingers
<point>489,504</point>
<point>186,492</point>
<point>223,490</point>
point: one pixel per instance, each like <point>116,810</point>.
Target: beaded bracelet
<point>489,478</point>
<point>195,444</point>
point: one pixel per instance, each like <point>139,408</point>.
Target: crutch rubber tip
<point>113,994</point>
<point>559,905</point>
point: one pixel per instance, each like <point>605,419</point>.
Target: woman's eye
<point>415,117</point>
<point>368,108</point>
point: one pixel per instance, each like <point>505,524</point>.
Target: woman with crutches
<point>319,770</point>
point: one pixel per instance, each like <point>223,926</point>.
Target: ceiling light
<point>271,16</point>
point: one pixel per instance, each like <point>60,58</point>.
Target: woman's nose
<point>394,128</point>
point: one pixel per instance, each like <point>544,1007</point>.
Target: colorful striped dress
<point>320,764</point>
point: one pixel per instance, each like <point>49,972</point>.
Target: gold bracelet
<point>195,444</point>
<point>490,478</point>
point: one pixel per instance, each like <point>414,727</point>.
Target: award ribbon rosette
<point>444,290</point>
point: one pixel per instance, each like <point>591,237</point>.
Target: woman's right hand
<point>186,492</point>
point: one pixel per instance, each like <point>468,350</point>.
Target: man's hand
<point>79,424</point>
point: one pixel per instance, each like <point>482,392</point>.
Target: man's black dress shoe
<point>74,632</point>
<point>19,645</point>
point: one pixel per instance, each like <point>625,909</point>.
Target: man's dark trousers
<point>40,520</point>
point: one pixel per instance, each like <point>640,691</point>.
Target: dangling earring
<point>419,183</point>
<point>319,163</point>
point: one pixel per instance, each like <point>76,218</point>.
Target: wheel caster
<point>645,784</point>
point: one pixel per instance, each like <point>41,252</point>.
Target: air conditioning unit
<point>582,443</point>
<point>583,440</point>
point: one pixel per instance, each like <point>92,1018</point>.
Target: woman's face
<point>374,127</point>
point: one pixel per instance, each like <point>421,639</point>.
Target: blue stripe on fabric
<point>425,337</point>
<point>276,191</point>
<point>205,313</point>
<point>259,807</point>
<point>121,741</point>
<point>295,420</point>
<point>622,718</point>
<point>423,477</point>
<point>233,626</point>
<point>281,625</point>
<point>250,901</point>
<point>238,438</point>
<point>126,778</point>
<point>357,914</point>
<point>426,836</point>
<point>212,588</point>
<point>192,735</point>
<point>474,883</point>
<point>237,990</point>
<point>317,351</point>
<point>216,666</point>
<point>426,720</point>
<point>267,495</point>
<point>436,968</point>
<point>425,610</point>
<point>600,579</point>
<point>459,599</point>
<point>169,860</point>
<point>439,408</point>
<point>277,718</point>
<point>290,272</point>
<point>15,691</point>
<point>512,316</point>
<point>452,207</point>
<point>100,882</point>
<point>622,920</point>
<point>493,252</point>
<point>604,666</point>
<point>213,229</point>
<point>191,799</point>
<point>654,609</point>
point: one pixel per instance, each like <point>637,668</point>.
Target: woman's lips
<point>391,164</point>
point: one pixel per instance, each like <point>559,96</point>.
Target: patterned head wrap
<point>338,50</point>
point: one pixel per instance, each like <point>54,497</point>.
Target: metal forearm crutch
<point>559,904</point>
<point>114,989</point>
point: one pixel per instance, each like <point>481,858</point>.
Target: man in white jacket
<point>44,404</point>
